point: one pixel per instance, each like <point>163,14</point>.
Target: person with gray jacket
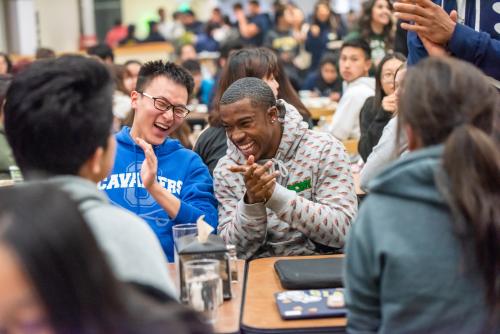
<point>58,120</point>
<point>423,254</point>
<point>282,188</point>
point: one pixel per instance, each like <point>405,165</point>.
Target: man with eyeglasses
<point>154,175</point>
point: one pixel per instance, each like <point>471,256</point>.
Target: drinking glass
<point>178,232</point>
<point>204,287</point>
<point>182,230</point>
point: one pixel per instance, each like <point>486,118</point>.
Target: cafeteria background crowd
<point>111,162</point>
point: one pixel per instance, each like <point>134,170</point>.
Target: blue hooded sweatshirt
<point>180,170</point>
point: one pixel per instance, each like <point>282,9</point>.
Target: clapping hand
<point>259,182</point>
<point>430,21</point>
<point>149,167</point>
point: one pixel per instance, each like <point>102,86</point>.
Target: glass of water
<point>204,287</point>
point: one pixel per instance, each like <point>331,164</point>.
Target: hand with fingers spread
<point>259,182</point>
<point>149,167</point>
<point>429,20</point>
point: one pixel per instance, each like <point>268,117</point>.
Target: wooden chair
<point>351,146</point>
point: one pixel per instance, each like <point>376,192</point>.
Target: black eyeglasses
<point>163,104</point>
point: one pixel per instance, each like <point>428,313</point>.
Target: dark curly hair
<point>365,27</point>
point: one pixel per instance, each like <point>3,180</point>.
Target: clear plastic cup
<point>204,287</point>
<point>182,230</point>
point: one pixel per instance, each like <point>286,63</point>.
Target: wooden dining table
<point>260,313</point>
<point>228,314</point>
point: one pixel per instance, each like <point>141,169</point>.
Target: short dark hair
<point>102,51</point>
<point>58,112</point>
<point>172,71</point>
<point>255,89</point>
<point>44,53</point>
<point>359,44</point>
<point>329,58</point>
<point>254,2</point>
<point>192,65</point>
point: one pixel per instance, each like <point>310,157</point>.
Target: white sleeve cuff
<point>251,211</point>
<point>281,196</point>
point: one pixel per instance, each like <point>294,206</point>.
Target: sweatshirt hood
<point>294,128</point>
<point>84,192</point>
<point>168,146</point>
<point>412,177</point>
<point>363,81</point>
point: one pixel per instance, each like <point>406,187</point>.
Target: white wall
<point>59,24</point>
<point>3,27</point>
<point>140,12</point>
<point>22,26</point>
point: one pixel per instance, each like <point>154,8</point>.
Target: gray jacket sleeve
<point>131,247</point>
<point>383,153</point>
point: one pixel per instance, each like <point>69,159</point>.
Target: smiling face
<point>353,63</point>
<point>20,309</point>
<point>381,13</point>
<point>254,130</point>
<point>151,124</point>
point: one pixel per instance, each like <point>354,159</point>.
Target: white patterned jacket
<point>312,205</point>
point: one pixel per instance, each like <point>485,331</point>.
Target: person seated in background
<point>423,255</point>
<point>325,33</point>
<point>116,34</point>
<point>376,27</point>
<point>203,87</point>
<point>206,41</point>
<point>154,35</point>
<point>54,277</point>
<point>186,52</point>
<point>191,23</point>
<point>102,52</point>
<point>154,176</point>
<point>44,53</point>
<point>58,117</point>
<point>170,30</point>
<point>130,39</point>
<point>121,96</point>
<point>253,29</point>
<point>354,65</point>
<point>389,146</point>
<point>282,189</point>
<point>6,157</point>
<point>326,81</point>
<point>379,109</point>
<point>282,39</point>
<point>132,68</point>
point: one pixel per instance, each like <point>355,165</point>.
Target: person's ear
<point>414,142</point>
<point>273,114</point>
<point>368,65</point>
<point>134,96</point>
<point>92,168</point>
